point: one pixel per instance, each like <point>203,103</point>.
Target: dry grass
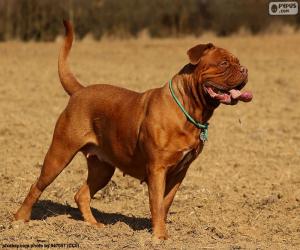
<point>242,192</point>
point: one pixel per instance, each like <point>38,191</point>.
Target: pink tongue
<point>245,96</point>
<point>224,98</point>
<point>235,93</point>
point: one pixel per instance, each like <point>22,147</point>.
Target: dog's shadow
<point>46,208</point>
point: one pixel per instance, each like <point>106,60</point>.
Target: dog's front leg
<point>172,184</point>
<point>156,187</point>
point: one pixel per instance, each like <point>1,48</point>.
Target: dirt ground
<point>243,192</point>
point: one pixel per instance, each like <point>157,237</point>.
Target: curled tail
<point>67,79</point>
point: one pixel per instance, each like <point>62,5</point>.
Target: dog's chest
<point>187,157</point>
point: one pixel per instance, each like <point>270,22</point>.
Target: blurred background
<point>41,20</point>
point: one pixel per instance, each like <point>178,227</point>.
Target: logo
<point>283,8</point>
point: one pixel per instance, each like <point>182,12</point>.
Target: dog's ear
<point>196,52</point>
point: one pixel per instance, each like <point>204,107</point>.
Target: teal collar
<point>203,127</point>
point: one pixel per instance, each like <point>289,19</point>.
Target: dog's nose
<point>244,70</point>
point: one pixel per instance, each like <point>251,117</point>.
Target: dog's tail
<point>67,79</point>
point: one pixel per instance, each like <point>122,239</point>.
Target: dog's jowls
<point>145,135</point>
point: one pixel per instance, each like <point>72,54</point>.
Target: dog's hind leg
<point>65,144</point>
<point>99,174</point>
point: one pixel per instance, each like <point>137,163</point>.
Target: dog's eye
<point>224,63</point>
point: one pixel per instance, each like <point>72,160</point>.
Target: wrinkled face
<point>220,73</point>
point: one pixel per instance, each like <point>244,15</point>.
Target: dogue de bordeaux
<point>153,136</point>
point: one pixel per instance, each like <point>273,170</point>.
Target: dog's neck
<point>191,94</point>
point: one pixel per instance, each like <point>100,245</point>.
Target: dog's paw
<point>95,224</point>
<point>99,225</point>
<point>158,241</point>
<point>19,216</point>
<point>159,236</point>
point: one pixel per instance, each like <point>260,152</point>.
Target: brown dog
<point>145,135</point>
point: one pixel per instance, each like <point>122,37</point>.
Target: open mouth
<point>228,96</point>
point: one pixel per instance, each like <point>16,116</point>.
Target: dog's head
<point>220,74</point>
